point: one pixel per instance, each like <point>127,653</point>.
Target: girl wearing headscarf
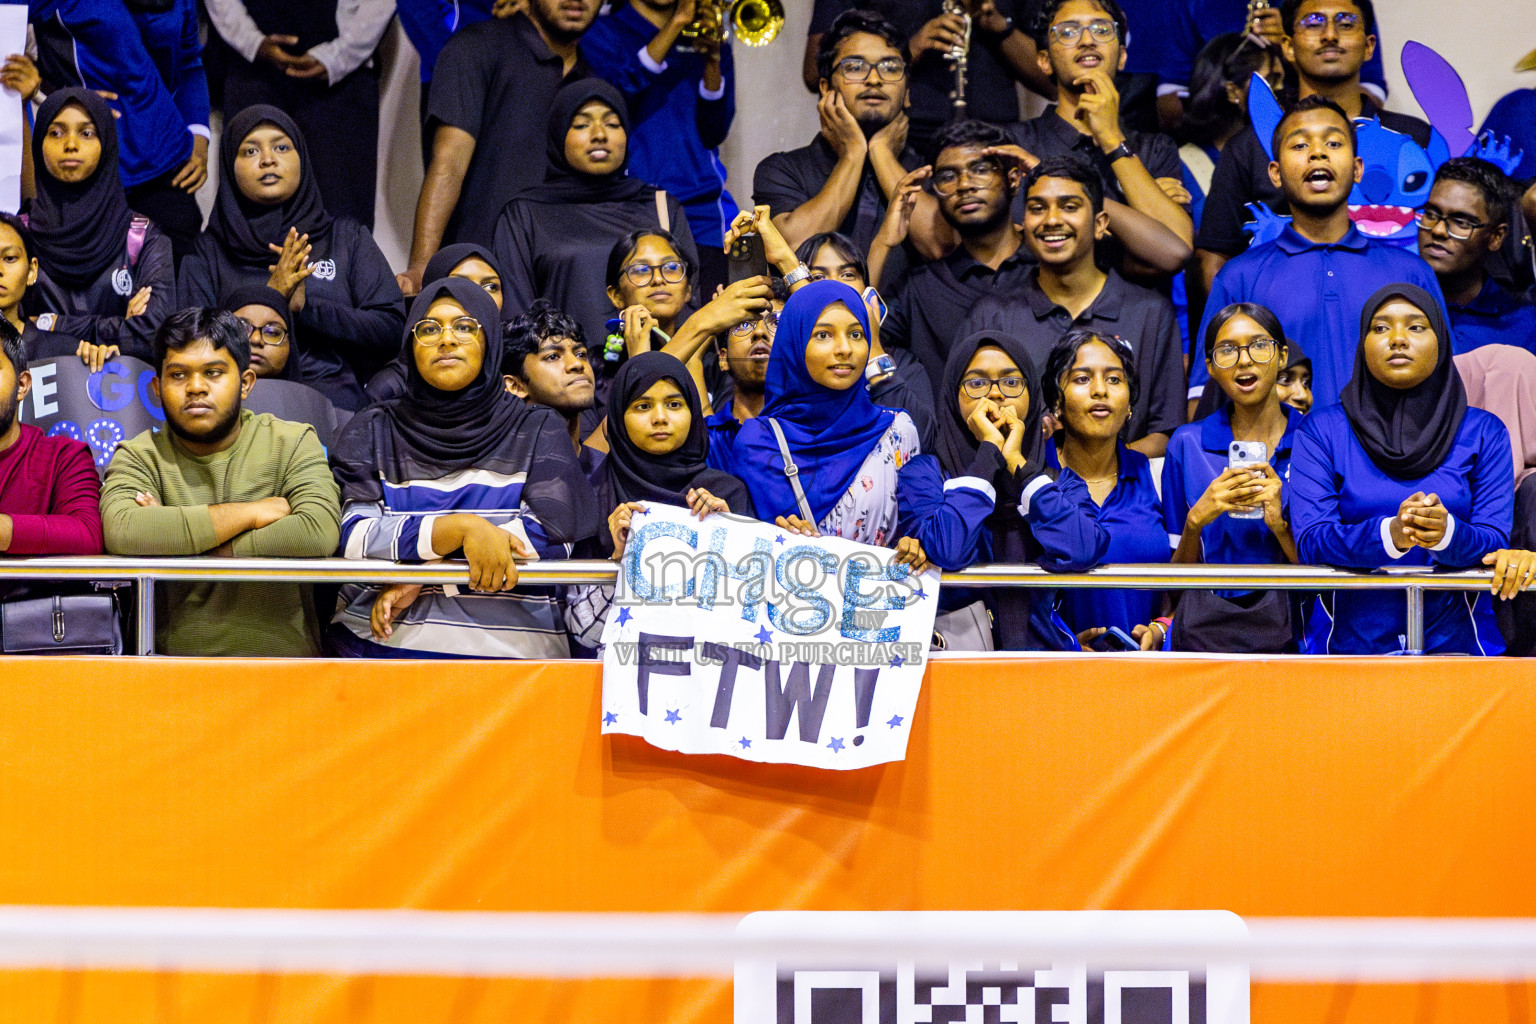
<point>657,449</point>
<point>553,239</point>
<point>270,227</point>
<point>986,496</point>
<point>848,452</point>
<point>1402,472</point>
<point>273,352</point>
<point>457,468</point>
<point>105,274</point>
<point>468,260</point>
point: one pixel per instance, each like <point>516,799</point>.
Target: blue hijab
<point>830,433</point>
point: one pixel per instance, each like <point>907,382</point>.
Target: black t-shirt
<point>989,90</point>
<point>496,79</point>
<point>786,181</point>
<point>1242,177</point>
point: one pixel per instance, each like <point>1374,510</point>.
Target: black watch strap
<point>1121,152</point>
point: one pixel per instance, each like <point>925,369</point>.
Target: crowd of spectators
<point>1126,330</point>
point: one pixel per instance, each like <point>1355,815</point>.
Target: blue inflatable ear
<point>1441,94</point>
<point>1264,111</point>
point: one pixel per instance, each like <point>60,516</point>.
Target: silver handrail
<point>143,573</point>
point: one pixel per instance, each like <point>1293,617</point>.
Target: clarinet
<point>958,55</point>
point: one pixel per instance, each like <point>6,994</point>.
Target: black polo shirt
<point>989,93</point>
<point>1142,318</point>
<point>496,79</point>
<point>936,297</point>
<point>1049,135</point>
<point>788,180</point>
<point>1242,177</point>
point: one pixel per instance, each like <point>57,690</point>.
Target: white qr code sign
<point>1069,989</point>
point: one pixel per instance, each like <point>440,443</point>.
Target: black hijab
<point>1407,433</point>
<point>630,474</point>
<point>244,228</point>
<point>80,228</point>
<point>449,256</point>
<point>957,445</point>
<point>261,295</point>
<point>454,429</point>
<point>563,183</point>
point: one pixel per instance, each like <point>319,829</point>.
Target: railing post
<point>144,597</point>
<point>1415,598</point>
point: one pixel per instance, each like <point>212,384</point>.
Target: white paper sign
<point>13,39</point>
<point>732,636</point>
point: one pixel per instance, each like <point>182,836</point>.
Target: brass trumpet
<point>754,22</point>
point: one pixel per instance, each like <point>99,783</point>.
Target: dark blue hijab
<point>830,433</point>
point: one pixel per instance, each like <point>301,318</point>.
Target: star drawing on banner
<point>836,745</point>
<point>746,744</point>
<point>779,539</point>
<point>895,721</point>
<point>610,718</point>
<point>898,661</point>
<point>919,593</point>
<point>764,635</point>
<point>673,717</point>
<point>642,511</point>
<point>624,616</point>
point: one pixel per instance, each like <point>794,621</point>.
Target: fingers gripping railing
<point>144,573</point>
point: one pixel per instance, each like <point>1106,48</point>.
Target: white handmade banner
<point>732,636</point>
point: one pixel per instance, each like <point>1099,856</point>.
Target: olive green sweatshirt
<point>270,458</point>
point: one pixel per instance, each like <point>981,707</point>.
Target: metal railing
<point>143,573</point>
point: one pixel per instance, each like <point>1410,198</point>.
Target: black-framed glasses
<point>1344,21</point>
<point>430,332</point>
<point>857,69</point>
<point>1069,32</point>
<point>769,320</point>
<point>642,274</point>
<point>1227,355</point>
<point>1458,226</point>
<point>983,173</point>
<point>981,387</point>
<point>274,335</point>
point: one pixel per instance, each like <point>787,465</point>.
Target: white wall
<point>1482,38</point>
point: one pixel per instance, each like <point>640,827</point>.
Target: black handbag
<point>62,624</point>
<point>1253,623</point>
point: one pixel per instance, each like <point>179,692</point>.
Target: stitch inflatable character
<point>1398,171</point>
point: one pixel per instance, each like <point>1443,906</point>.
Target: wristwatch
<point>1120,152</point>
<point>880,366</point>
<point>794,277</point>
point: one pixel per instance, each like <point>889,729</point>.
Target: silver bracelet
<point>794,277</point>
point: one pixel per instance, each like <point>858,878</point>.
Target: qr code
<point>798,974</point>
<point>973,993</point>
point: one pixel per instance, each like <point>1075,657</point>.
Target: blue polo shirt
<point>721,428</point>
<point>1132,515</point>
<point>1341,508</point>
<point>1317,290</point>
<point>1197,455</point>
<point>1496,317</point>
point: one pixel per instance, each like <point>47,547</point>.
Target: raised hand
<point>286,276</point>
<point>840,127</point>
<point>892,136</point>
<point>984,423</point>
<point>20,75</point>
<point>938,35</point>
<point>1098,108</point>
<point>898,215</point>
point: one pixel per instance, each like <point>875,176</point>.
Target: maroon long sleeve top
<point>49,488</point>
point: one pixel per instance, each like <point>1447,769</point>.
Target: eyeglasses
<point>642,274</point>
<point>981,387</point>
<point>945,181</point>
<point>430,332</point>
<point>1226,355</point>
<point>770,321</point>
<point>1069,32</point>
<point>268,334</point>
<point>856,69</point>
<point>1457,226</point>
<point>1344,21</point>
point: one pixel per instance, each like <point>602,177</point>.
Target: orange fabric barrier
<point>1330,787</point>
